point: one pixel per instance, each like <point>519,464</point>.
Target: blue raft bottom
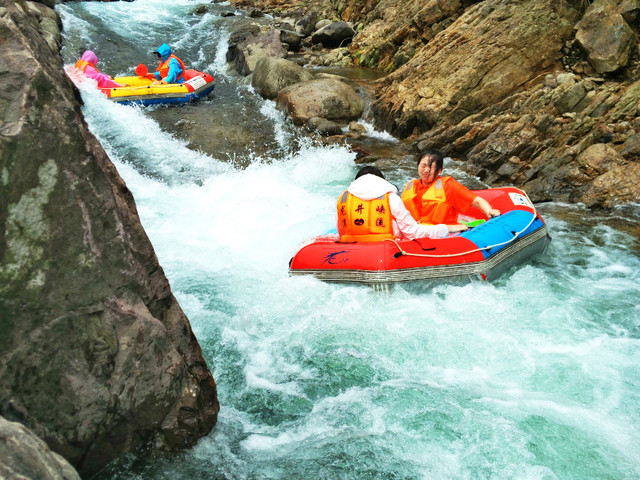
<point>190,98</point>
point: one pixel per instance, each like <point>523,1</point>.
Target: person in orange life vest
<point>170,69</point>
<point>87,65</point>
<point>433,199</point>
<point>371,210</point>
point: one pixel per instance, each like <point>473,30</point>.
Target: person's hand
<point>493,213</point>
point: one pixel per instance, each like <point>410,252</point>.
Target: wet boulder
<point>273,74</point>
<point>336,34</point>
<point>250,40</point>
<point>606,37</point>
<point>326,97</point>
<point>323,127</point>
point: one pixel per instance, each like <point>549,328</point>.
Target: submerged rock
<point>96,355</point>
<point>322,126</point>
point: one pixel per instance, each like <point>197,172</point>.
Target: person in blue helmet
<point>170,69</point>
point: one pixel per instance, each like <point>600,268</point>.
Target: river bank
<point>561,123</point>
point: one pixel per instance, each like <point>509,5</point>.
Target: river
<point>533,376</point>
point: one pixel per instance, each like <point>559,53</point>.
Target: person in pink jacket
<point>87,65</point>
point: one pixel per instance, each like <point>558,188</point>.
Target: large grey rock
<point>96,355</point>
<point>326,98</point>
<point>25,456</point>
<point>273,74</point>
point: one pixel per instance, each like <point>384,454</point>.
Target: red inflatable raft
<point>484,251</point>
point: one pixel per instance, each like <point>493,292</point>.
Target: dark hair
<point>437,158</point>
<point>369,170</point>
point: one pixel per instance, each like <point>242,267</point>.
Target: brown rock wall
<point>394,30</point>
<point>514,89</point>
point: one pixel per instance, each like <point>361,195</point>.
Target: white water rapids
<point>534,376</point>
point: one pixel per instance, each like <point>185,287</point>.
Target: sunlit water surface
<point>534,376</point>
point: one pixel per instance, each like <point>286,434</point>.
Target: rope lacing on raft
<point>401,252</point>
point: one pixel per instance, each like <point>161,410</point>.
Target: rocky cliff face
<point>499,89</point>
<point>537,93</point>
<point>96,356</point>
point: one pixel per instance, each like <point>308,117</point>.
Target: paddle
<point>143,71</point>
<point>474,223</point>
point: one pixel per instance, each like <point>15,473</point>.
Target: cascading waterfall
<point>534,376</point>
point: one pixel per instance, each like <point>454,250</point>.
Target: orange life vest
<point>163,67</point>
<point>432,208</point>
<point>364,220</point>
<point>82,66</point>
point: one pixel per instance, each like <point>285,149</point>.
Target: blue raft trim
<point>190,98</point>
<point>502,229</point>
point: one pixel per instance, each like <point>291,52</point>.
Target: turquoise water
<point>533,376</point>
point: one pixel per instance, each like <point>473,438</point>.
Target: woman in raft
<point>87,65</point>
<point>433,199</point>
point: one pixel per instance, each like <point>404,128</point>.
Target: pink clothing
<point>104,80</point>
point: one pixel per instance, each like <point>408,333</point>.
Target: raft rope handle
<point>401,252</point>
